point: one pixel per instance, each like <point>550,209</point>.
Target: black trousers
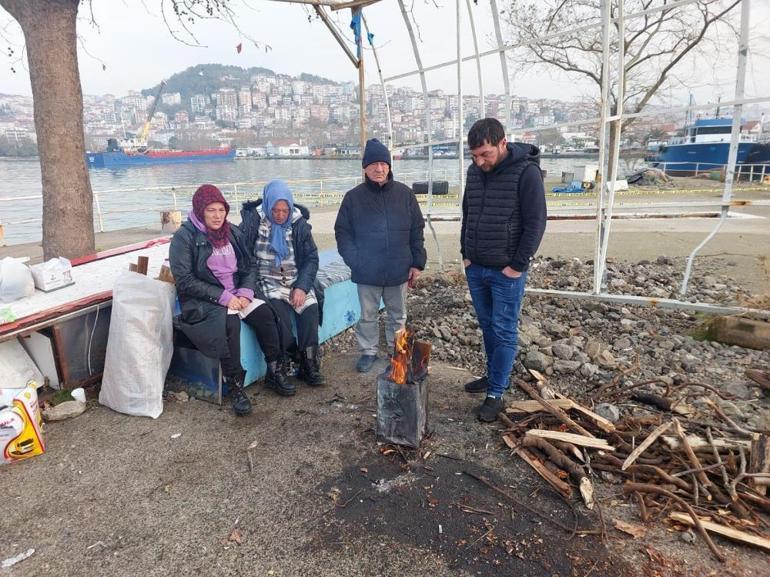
<point>263,321</point>
<point>307,325</point>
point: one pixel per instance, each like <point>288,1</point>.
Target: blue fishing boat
<point>705,146</point>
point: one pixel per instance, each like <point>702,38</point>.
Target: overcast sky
<point>133,43</point>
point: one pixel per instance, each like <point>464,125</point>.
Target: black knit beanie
<point>375,151</point>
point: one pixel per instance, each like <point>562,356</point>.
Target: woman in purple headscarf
<point>285,257</point>
<point>217,287</point>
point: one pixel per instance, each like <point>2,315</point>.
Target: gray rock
<point>687,537</point>
<point>608,411</point>
<point>563,351</point>
<point>567,367</point>
<point>593,348</point>
<point>588,370</point>
<point>537,361</point>
<point>622,344</point>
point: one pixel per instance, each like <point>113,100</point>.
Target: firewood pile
<point>691,467</point>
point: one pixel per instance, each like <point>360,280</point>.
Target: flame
<point>399,364</point>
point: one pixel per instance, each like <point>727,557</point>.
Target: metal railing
<point>116,204</point>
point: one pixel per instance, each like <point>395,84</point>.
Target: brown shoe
<point>762,378</point>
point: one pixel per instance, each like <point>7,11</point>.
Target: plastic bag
<point>139,346</point>
<point>15,280</point>
<point>21,432</point>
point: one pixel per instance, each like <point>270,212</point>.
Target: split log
<point>651,438</point>
<point>604,424</point>
<point>553,410</point>
<point>646,488</point>
<point>590,442</point>
<point>759,462</point>
<point>729,532</point>
<point>142,264</point>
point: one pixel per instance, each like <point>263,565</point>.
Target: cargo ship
<point>705,146</point>
<point>117,156</point>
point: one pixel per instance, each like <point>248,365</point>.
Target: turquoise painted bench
<point>201,376</point>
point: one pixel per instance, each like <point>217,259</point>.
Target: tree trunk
<point>51,43</point>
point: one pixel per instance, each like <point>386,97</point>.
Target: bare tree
<point>656,45</point>
<point>49,28</point>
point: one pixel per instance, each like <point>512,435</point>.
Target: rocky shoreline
<point>579,345</point>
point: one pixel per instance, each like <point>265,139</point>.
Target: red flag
<point>239,47</point>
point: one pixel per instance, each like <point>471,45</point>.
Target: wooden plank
<point>590,442</point>
<point>651,438</point>
<point>605,425</point>
<point>729,532</point>
<point>553,410</point>
<point>759,462</point>
<point>699,444</point>
<point>535,406</point>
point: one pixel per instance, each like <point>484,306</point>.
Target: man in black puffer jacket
<point>379,231</point>
<point>504,218</point>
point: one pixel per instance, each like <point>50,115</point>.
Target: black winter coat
<point>504,211</point>
<point>305,249</point>
<point>379,231</point>
<point>203,318</point>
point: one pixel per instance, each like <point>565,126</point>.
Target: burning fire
<point>399,364</point>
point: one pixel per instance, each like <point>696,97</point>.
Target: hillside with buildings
<point>265,112</point>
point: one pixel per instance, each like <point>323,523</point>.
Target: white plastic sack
<point>15,280</point>
<point>139,346</point>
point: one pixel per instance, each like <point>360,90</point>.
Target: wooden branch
<point>729,532</point>
<point>646,488</point>
<point>651,438</point>
<point>590,442</point>
<point>694,461</point>
<point>553,410</point>
<point>723,471</point>
<point>699,444</point>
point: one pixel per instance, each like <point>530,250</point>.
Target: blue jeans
<point>497,300</point>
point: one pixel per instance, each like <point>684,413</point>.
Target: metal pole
<point>384,93</point>
<point>615,152</point>
<point>503,63</point>
<point>428,122</point>
<point>599,185</point>
<point>482,108</point>
<point>99,211</point>
<point>732,156</point>
<point>460,111</point>
<point>361,87</point>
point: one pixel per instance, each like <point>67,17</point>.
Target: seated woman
<point>285,257</point>
<point>216,286</point>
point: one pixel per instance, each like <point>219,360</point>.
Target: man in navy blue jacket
<point>379,232</point>
<point>504,217</point>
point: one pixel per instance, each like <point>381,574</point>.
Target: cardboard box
<point>52,274</point>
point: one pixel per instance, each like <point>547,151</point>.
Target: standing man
<point>379,231</point>
<point>503,223</point>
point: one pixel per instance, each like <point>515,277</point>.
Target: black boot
<point>240,402</point>
<point>309,368</point>
<point>276,379</point>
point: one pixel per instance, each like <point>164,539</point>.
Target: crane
<point>145,132</point>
